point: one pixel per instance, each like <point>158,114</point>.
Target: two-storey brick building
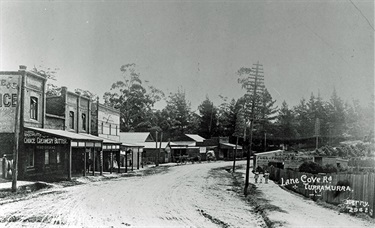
<point>55,132</point>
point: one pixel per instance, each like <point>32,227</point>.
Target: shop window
<point>30,158</point>
<point>71,120</point>
<point>34,108</point>
<point>46,157</point>
<point>83,121</point>
<point>58,157</point>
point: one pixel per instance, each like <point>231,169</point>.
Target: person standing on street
<point>4,167</point>
<point>266,176</point>
<point>256,176</point>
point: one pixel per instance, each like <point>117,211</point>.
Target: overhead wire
<point>362,15</point>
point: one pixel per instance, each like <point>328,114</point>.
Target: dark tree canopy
<point>133,99</point>
<point>208,124</point>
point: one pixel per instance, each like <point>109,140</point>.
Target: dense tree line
<point>331,118</point>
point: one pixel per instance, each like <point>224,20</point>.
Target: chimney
<point>64,89</point>
<point>22,68</point>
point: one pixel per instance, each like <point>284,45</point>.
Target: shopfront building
<point>50,151</point>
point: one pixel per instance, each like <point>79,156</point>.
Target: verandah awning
<point>108,144</point>
<point>230,146</point>
<point>33,135</point>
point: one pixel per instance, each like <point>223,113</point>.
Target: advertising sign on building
<point>32,137</point>
<point>108,117</point>
<point>202,150</point>
<point>8,102</point>
<point>288,159</point>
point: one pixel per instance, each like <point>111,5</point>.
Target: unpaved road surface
<point>192,195</point>
<point>287,209</point>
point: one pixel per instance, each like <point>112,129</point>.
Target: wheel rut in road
<point>186,196</point>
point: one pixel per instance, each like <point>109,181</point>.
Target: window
<point>116,130</point>
<point>34,108</point>
<point>30,158</point>
<point>71,120</point>
<point>46,157</point>
<point>83,121</point>
<point>102,128</point>
<point>58,157</point>
<point>110,128</point>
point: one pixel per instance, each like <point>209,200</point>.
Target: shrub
<point>310,167</point>
<point>329,168</point>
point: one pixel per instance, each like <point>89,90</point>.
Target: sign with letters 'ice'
<point>8,102</point>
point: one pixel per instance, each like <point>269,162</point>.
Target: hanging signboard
<point>8,102</point>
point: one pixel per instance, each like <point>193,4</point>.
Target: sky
<point>198,46</point>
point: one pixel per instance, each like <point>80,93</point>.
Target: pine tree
<point>177,112</point>
<point>285,122</point>
<point>208,120</point>
<point>302,119</point>
<point>267,112</point>
<point>336,116</point>
<point>228,117</point>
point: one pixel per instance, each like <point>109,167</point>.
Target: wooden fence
<point>352,192</point>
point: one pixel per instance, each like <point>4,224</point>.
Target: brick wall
<point>54,123</point>
<point>55,106</point>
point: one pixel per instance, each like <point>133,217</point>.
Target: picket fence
<point>361,198</point>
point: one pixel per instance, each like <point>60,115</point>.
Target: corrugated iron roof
<point>66,134</point>
<point>131,145</point>
<point>152,145</point>
<point>232,145</point>
<point>269,152</point>
<point>134,137</point>
<point>182,143</point>
<point>196,138</point>
<point>184,147</point>
<point>105,140</point>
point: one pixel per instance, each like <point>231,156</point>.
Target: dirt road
<point>284,208</point>
<point>191,195</point>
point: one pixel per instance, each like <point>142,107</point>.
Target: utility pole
<point>235,155</point>
<point>156,149</point>
<point>161,139</point>
<point>265,141</point>
<point>239,119</point>
<point>254,85</point>
<point>17,133</point>
<point>317,131</point>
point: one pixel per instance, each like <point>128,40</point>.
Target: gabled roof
<point>270,152</point>
<point>135,137</point>
<point>196,138</point>
<point>152,145</point>
<point>230,145</point>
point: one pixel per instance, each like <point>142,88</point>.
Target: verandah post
<point>70,163</point>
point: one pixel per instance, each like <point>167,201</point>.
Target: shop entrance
<point>78,160</point>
